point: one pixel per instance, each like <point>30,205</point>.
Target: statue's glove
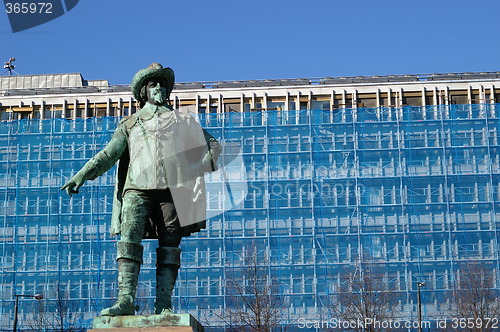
<point>207,162</point>
<point>202,166</point>
<point>74,184</point>
<point>90,171</point>
<point>197,190</point>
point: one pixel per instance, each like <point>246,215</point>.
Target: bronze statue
<point>160,190</point>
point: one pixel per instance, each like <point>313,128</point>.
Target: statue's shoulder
<point>128,121</point>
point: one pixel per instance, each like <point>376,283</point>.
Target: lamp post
<point>17,296</point>
<point>419,299</point>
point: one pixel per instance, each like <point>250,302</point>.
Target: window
<point>213,108</point>
<point>412,100</point>
<point>459,99</point>
<point>276,105</point>
<point>368,101</point>
<point>320,105</point>
<point>232,107</point>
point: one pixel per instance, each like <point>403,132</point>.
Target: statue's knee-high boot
<point>168,261</point>
<point>129,262</point>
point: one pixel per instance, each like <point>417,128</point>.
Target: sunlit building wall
<point>393,175</point>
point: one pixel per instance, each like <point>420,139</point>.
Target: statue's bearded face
<point>157,92</point>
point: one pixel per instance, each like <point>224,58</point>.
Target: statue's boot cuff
<point>168,256</point>
<point>129,250</point>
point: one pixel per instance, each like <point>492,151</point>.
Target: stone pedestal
<point>148,323</point>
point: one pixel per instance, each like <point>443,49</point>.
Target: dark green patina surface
<point>167,319</point>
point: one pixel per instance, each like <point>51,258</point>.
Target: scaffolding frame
<point>412,191</point>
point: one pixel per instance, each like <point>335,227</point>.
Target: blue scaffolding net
<point>405,194</point>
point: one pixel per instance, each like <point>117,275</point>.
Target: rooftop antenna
<point>9,66</point>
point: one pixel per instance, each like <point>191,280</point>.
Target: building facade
<point>393,177</point>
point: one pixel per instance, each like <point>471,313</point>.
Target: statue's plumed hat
<point>154,70</point>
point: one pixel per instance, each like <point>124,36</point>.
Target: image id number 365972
<point>477,323</point>
<point>28,8</point>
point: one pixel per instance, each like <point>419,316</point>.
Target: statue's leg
<point>168,255</point>
<point>129,262</point>
<point>167,267</point>
<point>135,213</point>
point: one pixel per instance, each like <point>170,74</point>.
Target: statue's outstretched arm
<point>98,164</point>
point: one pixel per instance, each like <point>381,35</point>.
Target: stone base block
<point>148,323</point>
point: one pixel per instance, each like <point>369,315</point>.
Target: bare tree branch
<point>254,303</point>
<point>475,297</point>
<point>56,312</point>
<point>363,294</point>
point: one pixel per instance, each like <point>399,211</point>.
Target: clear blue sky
<point>211,40</point>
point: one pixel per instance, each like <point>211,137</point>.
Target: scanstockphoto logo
<point>25,15</point>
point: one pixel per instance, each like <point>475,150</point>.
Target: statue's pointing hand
<point>73,185</point>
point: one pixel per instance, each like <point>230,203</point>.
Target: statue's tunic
<point>160,148</point>
<point>150,152</point>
